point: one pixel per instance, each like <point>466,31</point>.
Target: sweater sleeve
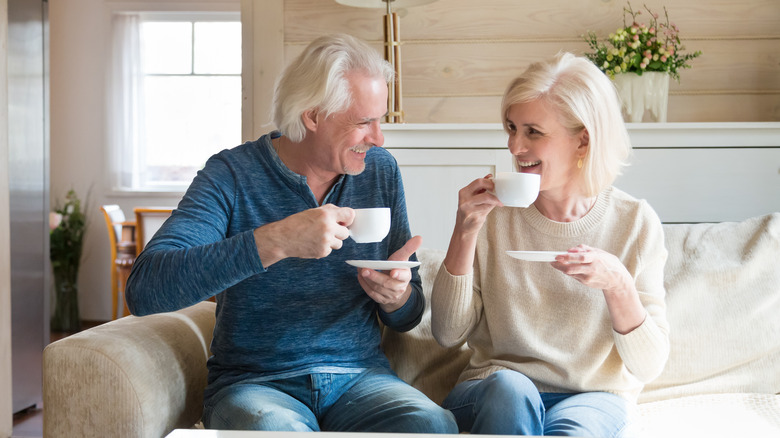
<point>645,350</point>
<point>191,258</point>
<point>455,307</point>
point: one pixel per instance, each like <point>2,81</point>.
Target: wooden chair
<point>122,240</point>
<point>148,220</point>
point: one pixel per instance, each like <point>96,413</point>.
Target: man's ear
<point>310,119</point>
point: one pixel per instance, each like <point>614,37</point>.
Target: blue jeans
<point>372,401</point>
<point>508,403</point>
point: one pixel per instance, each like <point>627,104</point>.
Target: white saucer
<point>382,265</point>
<point>536,256</point>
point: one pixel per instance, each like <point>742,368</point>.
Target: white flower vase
<point>644,98</point>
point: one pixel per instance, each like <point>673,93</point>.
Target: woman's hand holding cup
<point>475,201</point>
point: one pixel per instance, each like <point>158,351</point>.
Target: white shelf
<point>643,135</point>
<point>688,172</point>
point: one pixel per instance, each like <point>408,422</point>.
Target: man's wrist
<point>268,249</point>
<point>392,307</point>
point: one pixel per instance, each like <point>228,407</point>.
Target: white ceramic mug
<point>370,224</point>
<point>516,189</point>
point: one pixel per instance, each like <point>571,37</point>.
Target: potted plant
<point>67,225</point>
<point>640,58</point>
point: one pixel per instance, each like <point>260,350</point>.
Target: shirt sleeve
<point>191,259</point>
<point>645,349</point>
<point>411,313</point>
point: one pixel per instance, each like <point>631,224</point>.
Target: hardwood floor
<point>29,423</point>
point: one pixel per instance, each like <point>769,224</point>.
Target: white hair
<point>584,98</point>
<point>316,79</point>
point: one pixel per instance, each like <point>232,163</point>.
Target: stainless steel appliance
<point>28,182</point>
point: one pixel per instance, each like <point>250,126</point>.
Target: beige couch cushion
<point>133,377</point>
<point>415,355</point>
<point>723,306</point>
<point>712,415</point>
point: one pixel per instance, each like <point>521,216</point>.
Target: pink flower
<point>55,219</point>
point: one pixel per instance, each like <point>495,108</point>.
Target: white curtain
<point>126,94</point>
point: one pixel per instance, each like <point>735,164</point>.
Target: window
<point>182,104</point>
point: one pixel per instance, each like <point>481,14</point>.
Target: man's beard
<point>353,172</point>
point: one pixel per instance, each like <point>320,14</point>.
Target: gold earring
<point>579,164</point>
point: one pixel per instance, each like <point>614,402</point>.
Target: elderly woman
<point>563,347</point>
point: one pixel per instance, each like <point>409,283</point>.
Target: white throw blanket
<point>723,305</point>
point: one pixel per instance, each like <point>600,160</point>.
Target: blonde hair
<point>316,79</point>
<point>584,98</point>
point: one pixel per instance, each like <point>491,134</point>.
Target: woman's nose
<point>516,145</point>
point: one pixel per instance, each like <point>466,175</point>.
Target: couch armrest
<point>133,377</point>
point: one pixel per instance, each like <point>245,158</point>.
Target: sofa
<point>143,377</point>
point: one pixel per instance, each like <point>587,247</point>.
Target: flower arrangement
<point>638,47</point>
<point>66,241</point>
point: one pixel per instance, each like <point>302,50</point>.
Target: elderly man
<point>264,228</point>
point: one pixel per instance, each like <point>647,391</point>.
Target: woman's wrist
<point>460,253</point>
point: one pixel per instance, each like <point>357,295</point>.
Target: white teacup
<point>515,189</point>
<point>370,224</point>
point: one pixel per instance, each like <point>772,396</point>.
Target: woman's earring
<point>579,164</point>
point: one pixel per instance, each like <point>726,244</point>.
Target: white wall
<point>78,36</point>
<point>80,41</point>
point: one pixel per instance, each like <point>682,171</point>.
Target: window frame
<point>168,11</point>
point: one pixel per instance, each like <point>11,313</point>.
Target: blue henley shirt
<point>297,317</point>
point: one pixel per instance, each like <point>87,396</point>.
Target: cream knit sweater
<point>532,318</point>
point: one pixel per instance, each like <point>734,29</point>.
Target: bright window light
<point>192,98</point>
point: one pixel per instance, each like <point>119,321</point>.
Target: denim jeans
<point>372,401</point>
<point>508,403</point>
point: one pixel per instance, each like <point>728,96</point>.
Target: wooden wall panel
<point>478,69</point>
<point>458,55</point>
<point>452,19</point>
<point>682,108</point>
<point>562,19</point>
<point>724,108</point>
<point>469,69</point>
<point>452,109</point>
<point>734,65</point>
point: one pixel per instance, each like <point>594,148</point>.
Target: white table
<point>201,433</point>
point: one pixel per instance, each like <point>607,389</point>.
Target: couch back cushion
<point>415,355</point>
<point>723,305</point>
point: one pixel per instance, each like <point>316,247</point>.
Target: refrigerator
<point>28,182</point>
